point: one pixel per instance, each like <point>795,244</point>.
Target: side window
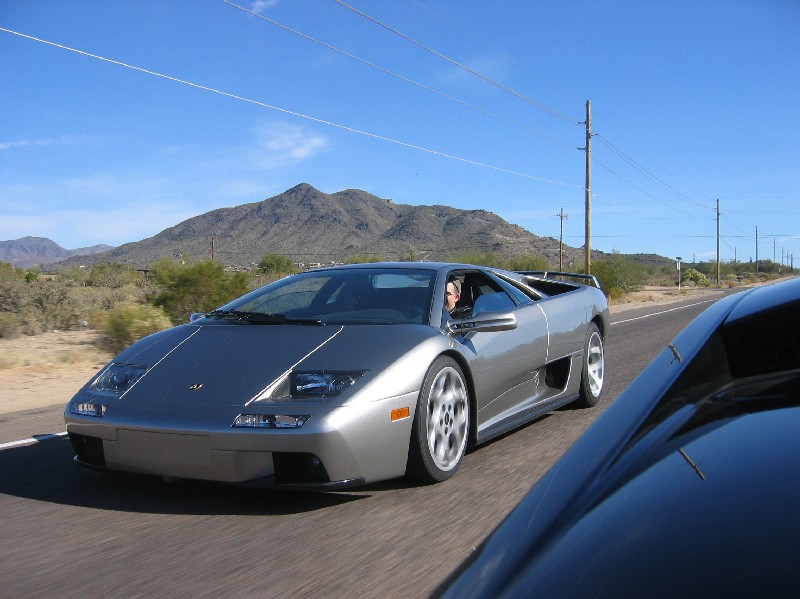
<point>483,294</point>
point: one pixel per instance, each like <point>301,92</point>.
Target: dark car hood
<point>231,364</point>
<point>219,364</point>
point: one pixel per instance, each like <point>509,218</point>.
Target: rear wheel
<point>441,423</point>
<point>593,368</point>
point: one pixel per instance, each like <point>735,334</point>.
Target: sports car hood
<point>218,364</point>
<point>233,364</point>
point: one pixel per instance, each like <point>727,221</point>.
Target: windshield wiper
<point>262,318</point>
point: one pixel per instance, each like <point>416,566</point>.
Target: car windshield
<point>342,296</point>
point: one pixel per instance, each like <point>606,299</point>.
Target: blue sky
<point>457,102</point>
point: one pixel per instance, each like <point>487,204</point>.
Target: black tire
<point>441,423</point>
<point>593,368</point>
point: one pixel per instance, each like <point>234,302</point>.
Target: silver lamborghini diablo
<point>344,376</point>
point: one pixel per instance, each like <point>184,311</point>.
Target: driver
<point>452,295</point>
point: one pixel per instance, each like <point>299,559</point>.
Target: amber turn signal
<point>400,414</point>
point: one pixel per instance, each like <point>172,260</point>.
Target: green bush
<point>276,265</point>
<point>693,275</point>
<point>130,322</point>
<point>620,273</point>
<point>199,287</point>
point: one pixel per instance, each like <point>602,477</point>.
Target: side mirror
<point>196,316</point>
<point>486,322</point>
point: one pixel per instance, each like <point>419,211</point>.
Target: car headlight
<point>310,385</point>
<point>321,384</point>
<point>117,378</point>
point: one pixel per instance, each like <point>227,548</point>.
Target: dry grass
<point>657,296</point>
<point>47,369</point>
<point>52,349</point>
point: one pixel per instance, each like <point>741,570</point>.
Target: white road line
<point>665,311</point>
<point>30,440</point>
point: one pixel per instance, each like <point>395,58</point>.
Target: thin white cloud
<point>279,144</point>
<point>260,6</point>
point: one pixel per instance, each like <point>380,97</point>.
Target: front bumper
<point>338,447</point>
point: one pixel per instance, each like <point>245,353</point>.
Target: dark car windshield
<point>344,296</point>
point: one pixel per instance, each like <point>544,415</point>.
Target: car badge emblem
<point>196,386</point>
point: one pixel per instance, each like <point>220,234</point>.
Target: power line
<point>647,173</point>
<point>398,76</point>
<point>292,112</point>
<point>478,74</point>
<point>475,39</point>
<point>648,194</point>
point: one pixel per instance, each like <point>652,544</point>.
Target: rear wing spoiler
<point>576,277</point>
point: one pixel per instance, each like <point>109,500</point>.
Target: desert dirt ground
<point>47,369</point>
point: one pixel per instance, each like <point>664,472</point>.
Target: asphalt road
<point>69,532</point>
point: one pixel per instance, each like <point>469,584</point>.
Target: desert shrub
<point>614,293</point>
<point>620,273</point>
<point>52,306</point>
<point>276,265</point>
<point>112,274</point>
<point>523,262</point>
<point>199,287</point>
<point>13,295</point>
<point>130,322</point>
<point>10,325</point>
<point>527,262</point>
<point>410,255</point>
<point>695,276</point>
<point>92,299</point>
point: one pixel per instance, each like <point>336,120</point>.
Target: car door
<point>504,364</point>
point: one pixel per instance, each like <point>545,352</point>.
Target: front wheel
<point>593,369</point>
<point>441,423</point>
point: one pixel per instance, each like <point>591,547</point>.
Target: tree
<point>199,287</point>
<point>276,265</point>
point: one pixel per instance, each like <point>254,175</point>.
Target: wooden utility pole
<point>213,240</point>
<point>717,242</point>
<point>756,250</point>
<point>562,216</point>
<point>588,244</point>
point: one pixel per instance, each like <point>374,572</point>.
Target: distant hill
<point>35,251</point>
<point>310,226</point>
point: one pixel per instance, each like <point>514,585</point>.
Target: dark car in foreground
<point>342,376</point>
<point>687,486</point>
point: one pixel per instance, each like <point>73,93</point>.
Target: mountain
<point>310,226</point>
<point>34,251</point>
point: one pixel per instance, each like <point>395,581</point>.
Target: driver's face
<point>451,297</point>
